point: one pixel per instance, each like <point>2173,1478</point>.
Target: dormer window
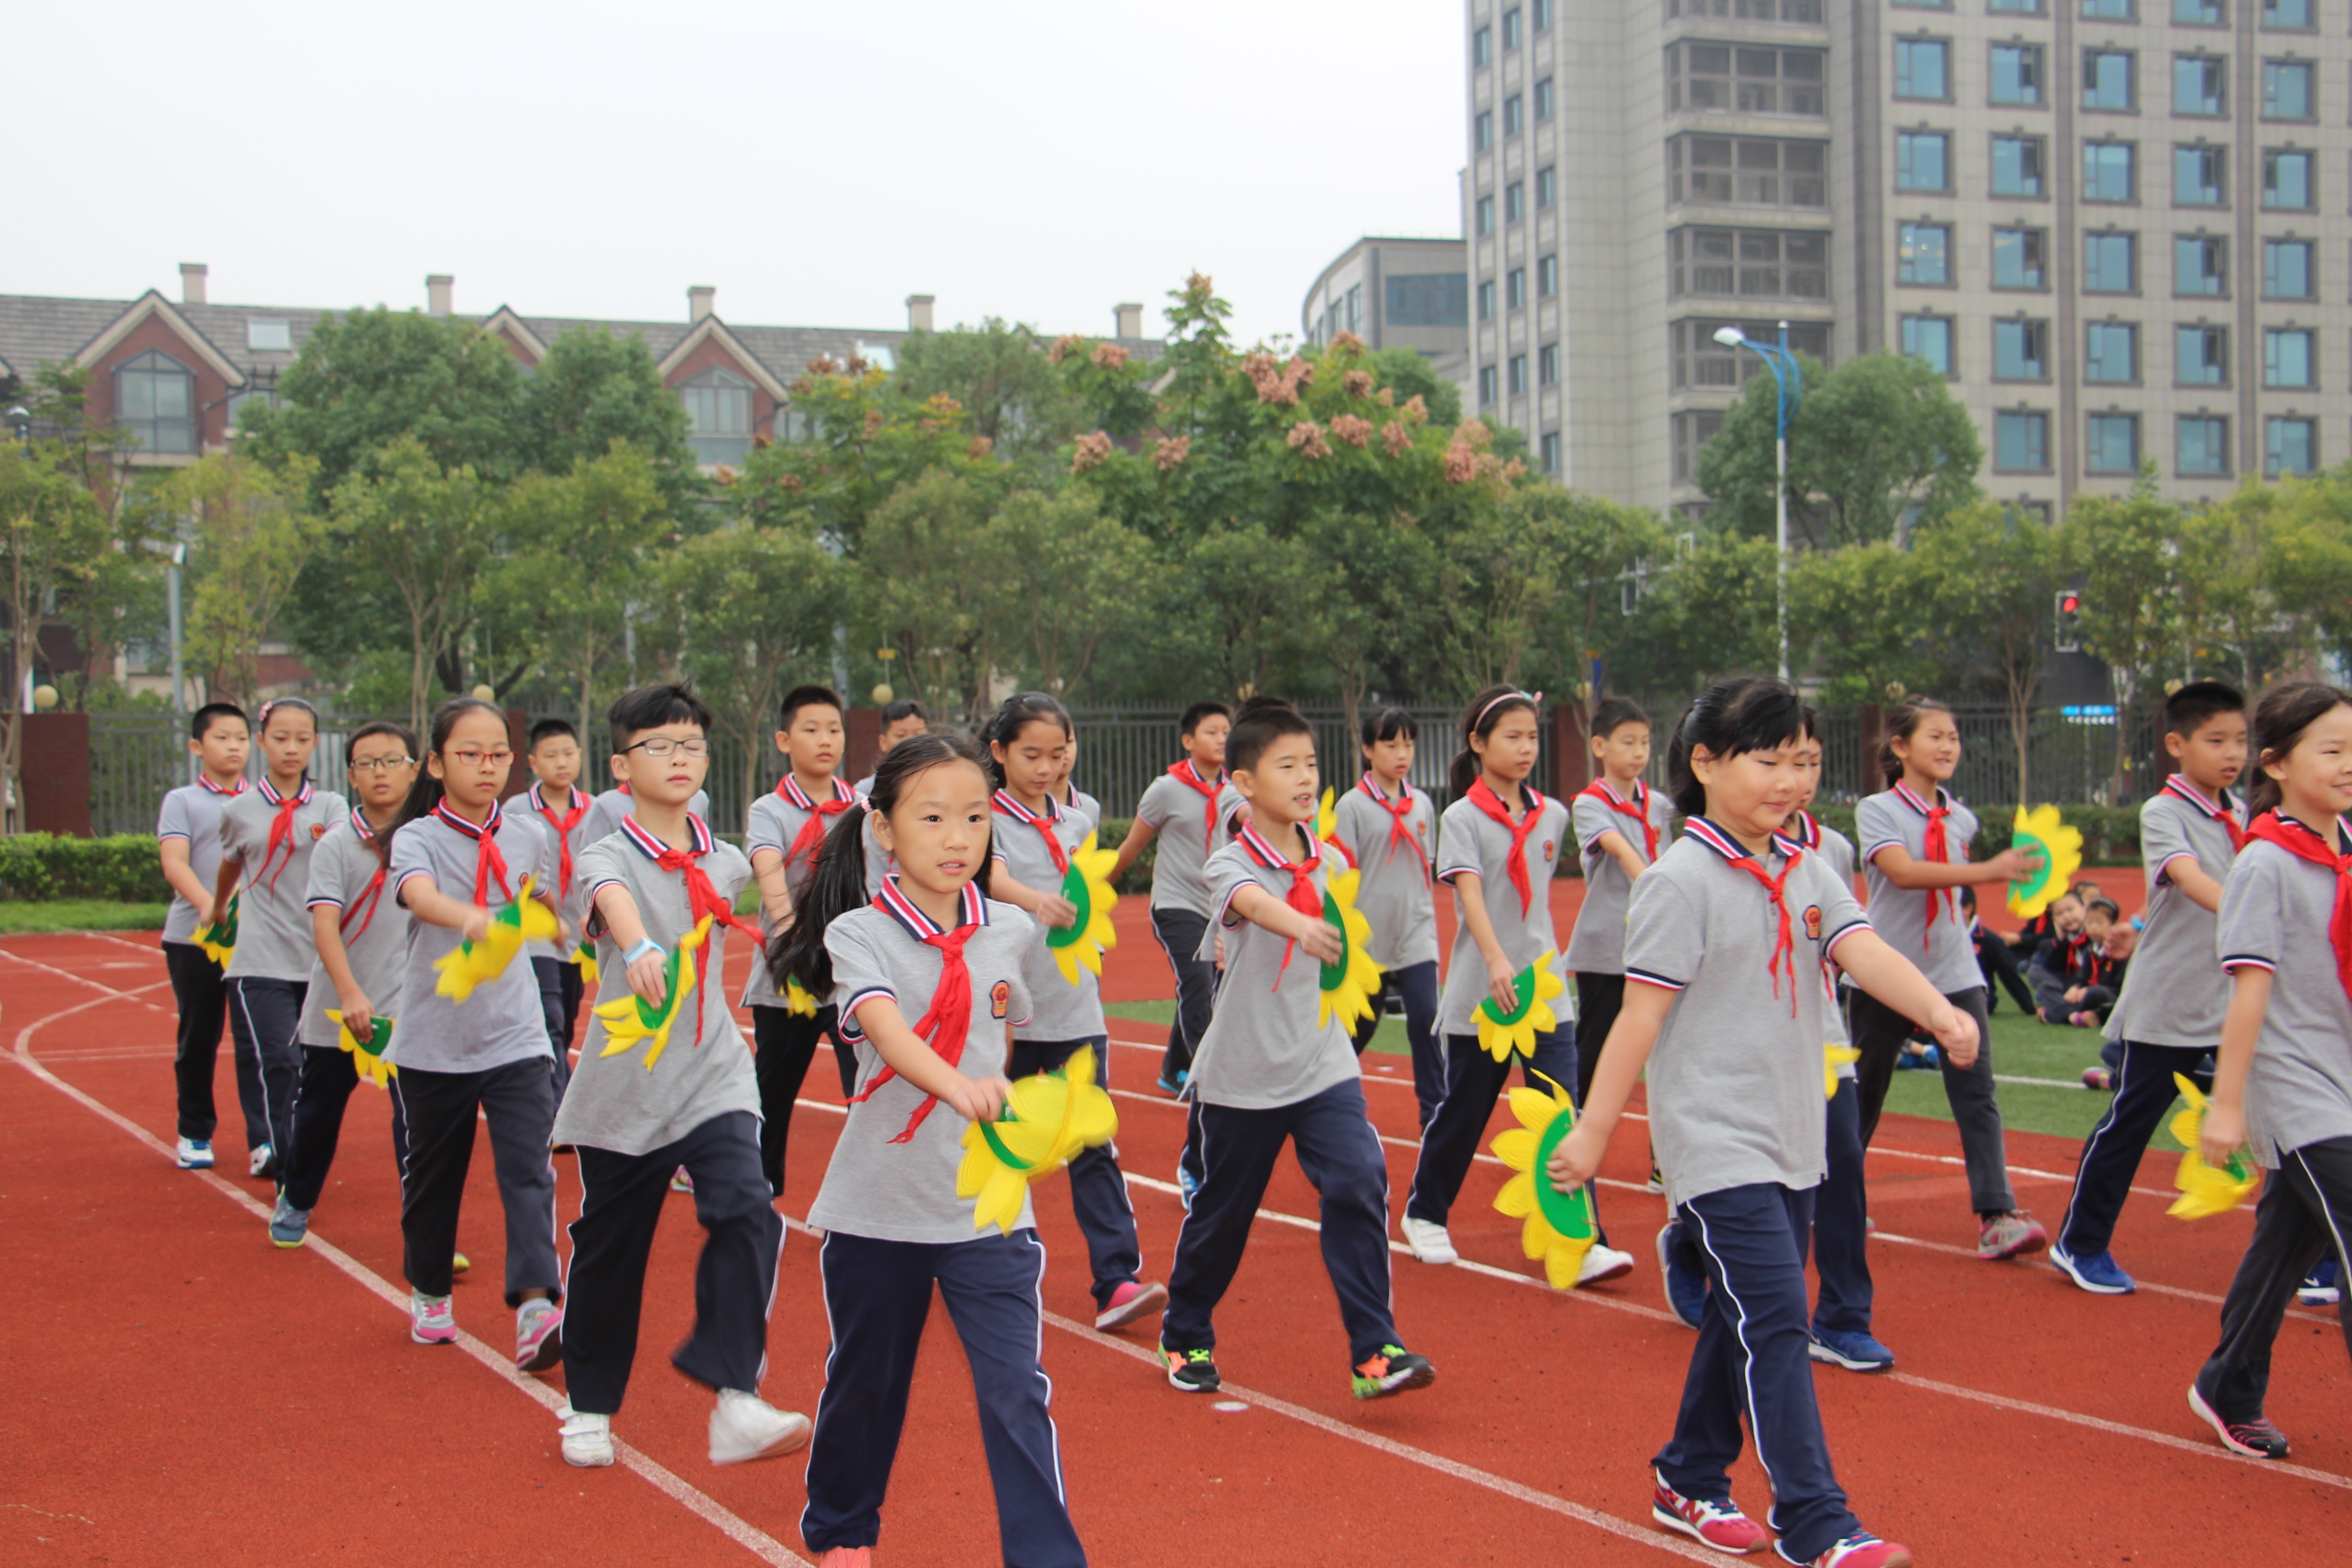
<point>718,417</point>
<point>155,400</point>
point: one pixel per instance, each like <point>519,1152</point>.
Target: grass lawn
<point>21,919</point>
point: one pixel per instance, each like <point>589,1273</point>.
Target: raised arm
<point>1138,835</point>
<point>1897,864</point>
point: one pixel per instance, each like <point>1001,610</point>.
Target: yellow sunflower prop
<point>1082,941</point>
<point>1347,984</point>
<point>586,958</point>
<point>2061,856</point>
<point>479,962</point>
<point>799,999</point>
<point>367,1056</point>
<point>1558,1226</point>
<point>1833,1057</point>
<point>2204,1190</point>
<point>219,941</point>
<point>1500,1033</point>
<point>1048,1121</point>
<point>628,1019</point>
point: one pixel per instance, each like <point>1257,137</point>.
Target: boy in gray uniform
<point>1390,828</point>
<point>188,842</point>
<point>1620,826</point>
<point>1180,809</point>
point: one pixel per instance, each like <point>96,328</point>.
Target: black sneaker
<point>2257,1439</point>
<point>1192,1370</point>
<point>1393,1370</point>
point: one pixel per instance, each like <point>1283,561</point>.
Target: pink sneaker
<point>2011,1235</point>
<point>429,1320</point>
<point>847,1557</point>
<point>1717,1524</point>
<point>1863,1550</point>
<point>1128,1302</point>
<point>539,1336</point>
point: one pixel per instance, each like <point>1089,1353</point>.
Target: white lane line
<point>2044,1266</point>
<point>112,992</point>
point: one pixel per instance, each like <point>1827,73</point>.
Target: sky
<point>815,163</point>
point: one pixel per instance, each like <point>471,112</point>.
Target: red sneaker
<point>1863,1550</point>
<point>1717,1524</point>
<point>1129,1301</point>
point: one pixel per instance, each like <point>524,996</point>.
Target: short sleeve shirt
<point>1735,1080</point>
<point>1470,840</point>
<point>193,813</point>
<point>1182,818</point>
<point>907,1191</point>
<point>502,1021</point>
<point>1835,851</point>
<point>347,876</point>
<point>273,929</point>
<point>2275,911</point>
<point>610,809</point>
<point>775,822</point>
<point>619,1102</point>
<point>1059,1010</point>
<point>1266,1045</point>
<point>2174,993</point>
<point>1395,887</point>
<point>1087,806</point>
<point>1596,945</point>
<point>571,898</point>
<point>1925,925</point>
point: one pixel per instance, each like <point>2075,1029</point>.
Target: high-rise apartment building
<point>2106,221</point>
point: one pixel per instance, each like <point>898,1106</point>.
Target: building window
<point>1515,289</point>
<point>1542,9</point>
<point>2287,15</point>
<point>718,416</point>
<point>1487,299</point>
<point>1543,99</point>
<point>1511,29</point>
<point>1485,385</point>
<point>2200,265</point>
<point>1547,450</point>
<point>1547,186</point>
<point>2198,13</point>
<point>1514,115</point>
<point>1929,338</point>
<point>2020,442</point>
<point>1485,215</point>
<point>1924,253</point>
<point>2110,263</point>
<point>1482,46</point>
<point>2020,350</point>
<point>1355,307</point>
<point>1923,68</point>
<point>1699,361</point>
<point>2201,356</point>
<point>2286,181</point>
<point>2111,352</point>
<point>1515,202</point>
<point>2108,10</point>
<point>2286,356</point>
<point>1428,300</point>
<point>2107,80</point>
<point>1752,170</point>
<point>1519,374</point>
<point>2111,443</point>
<point>2289,446</point>
<point>1808,12</point>
<point>2017,74</point>
<point>2017,257</point>
<point>1547,276</point>
<point>2108,171</point>
<point>2286,270</point>
<point>2014,8</point>
<point>1752,80</point>
<point>2286,90</point>
<point>269,337</point>
<point>1548,365</point>
<point>1922,161</point>
<point>155,400</point>
<point>2200,85</point>
<point>1483,131</point>
<point>2017,166</point>
<point>2199,176</point>
<point>1693,429</point>
<point>1754,263</point>
<point>2200,445</point>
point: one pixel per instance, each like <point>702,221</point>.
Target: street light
<point>1789,379</point>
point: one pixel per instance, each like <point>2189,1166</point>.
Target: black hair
<point>261,715</point>
<point>1387,724</point>
<point>1614,714</point>
<point>425,792</point>
<point>644,708</point>
<point>1485,711</point>
<point>1263,721</point>
<point>1020,710</point>
<point>904,708</point>
<point>2186,710</point>
<point>1744,713</point>
<point>547,727</point>
<point>201,720</point>
<point>2114,910</point>
<point>2280,717</point>
<point>1902,723</point>
<point>1968,896</point>
<point>1198,711</point>
<point>371,729</point>
<point>838,884</point>
<point>810,695</point>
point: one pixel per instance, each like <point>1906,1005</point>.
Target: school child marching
<point>562,809</point>
<point>188,844</point>
<point>1180,810</point>
<point>1620,826</point>
<point>1390,829</point>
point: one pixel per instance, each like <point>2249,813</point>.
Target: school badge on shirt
<point>999,999</point>
<point>1813,922</point>
<point>318,831</point>
<point>1547,848</point>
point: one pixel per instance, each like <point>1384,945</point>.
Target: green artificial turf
<point>20,917</point>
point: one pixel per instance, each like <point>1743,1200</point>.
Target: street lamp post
<point>1789,382</point>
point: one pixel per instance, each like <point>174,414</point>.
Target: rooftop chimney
<point>437,293</point>
<point>191,282</point>
<point>699,302</point>
<point>919,312</point>
<point>1131,320</point>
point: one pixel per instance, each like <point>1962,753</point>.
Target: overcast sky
<point>817,164</point>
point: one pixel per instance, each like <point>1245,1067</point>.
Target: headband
<point>1533,699</point>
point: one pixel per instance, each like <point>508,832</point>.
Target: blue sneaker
<point>193,1153</point>
<point>2096,1272</point>
<point>1686,1291</point>
<point>1186,1187</point>
<point>1175,1085</point>
<point>1853,1350</point>
<point>2320,1288</point>
<point>288,1226</point>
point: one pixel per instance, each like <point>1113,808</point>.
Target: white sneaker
<point>195,1153</point>
<point>264,1162</point>
<point>1429,1242</point>
<point>587,1439</point>
<point>1603,1263</point>
<point>746,1426</point>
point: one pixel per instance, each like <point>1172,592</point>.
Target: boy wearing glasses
<point>610,809</point>
<point>553,754</point>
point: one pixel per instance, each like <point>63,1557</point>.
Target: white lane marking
<point>112,992</point>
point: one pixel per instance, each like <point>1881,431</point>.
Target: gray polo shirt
<point>2275,911</point>
<point>775,822</point>
<point>1264,1047</point>
<point>273,929</point>
<point>614,1102</point>
<point>1470,840</point>
<point>344,869</point>
<point>503,1021</point>
<point>1596,945</point>
<point>1835,851</point>
<point>1939,946</point>
<point>1060,1011</point>
<point>1394,890</point>
<point>610,809</point>
<point>571,901</point>
<point>2174,994</point>
<point>907,1191</point>
<point>1086,805</point>
<point>1735,1080</point>
<point>193,813</point>
<point>1181,816</point>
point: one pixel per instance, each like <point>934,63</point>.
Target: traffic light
<point>2069,638</point>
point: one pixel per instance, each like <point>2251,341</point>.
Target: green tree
<point>420,534</point>
<point>253,531</point>
<point>1859,617</point>
<point>2306,562</point>
<point>1062,577</point>
<point>1995,574</point>
<point>1240,612</point>
<point>864,442</point>
<point>2128,548</point>
<point>51,530</point>
<point>927,588</point>
<point>2228,616</point>
<point>596,389</point>
<point>1708,612</point>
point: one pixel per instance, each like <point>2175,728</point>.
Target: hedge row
<point>123,868</point>
<point>2110,833</point>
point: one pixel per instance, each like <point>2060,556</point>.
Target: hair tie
<point>866,803</point>
<point>1531,699</point>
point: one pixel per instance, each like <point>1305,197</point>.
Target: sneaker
<point>1188,1185</point>
<point>539,1336</point>
<point>1686,1291</point>
<point>1194,1371</point>
<point>1851,1349</point>
<point>2319,1287</point>
<point>587,1439</point>
<point>2011,1235</point>
<point>288,1226</point>
<point>1174,1085</point>
<point>1128,1302</point>
<point>745,1426</point>
<point>847,1557</point>
<point>1863,1550</point>
<point>195,1153</point>
<point>2257,1439</point>
<point>2096,1272</point>
<point>1602,1262</point>
<point>1430,1243</point>
<point>263,1163</point>
<point>1717,1524</point>
<point>682,1183</point>
<point>2098,1079</point>
<point>1657,1182</point>
<point>429,1320</point>
<point>1394,1370</point>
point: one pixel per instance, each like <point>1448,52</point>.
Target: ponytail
<point>1485,711</point>
<point>1901,725</point>
<point>425,792</point>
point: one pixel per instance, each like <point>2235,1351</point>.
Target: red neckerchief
<point>948,1023</point>
<point>205,781</point>
<point>1042,822</point>
<point>2225,813</point>
<point>1184,774</point>
<point>281,828</point>
<point>364,906</point>
<point>563,826</point>
<point>1784,947</point>
<point>702,897</point>
<point>1400,812</point>
<point>1937,847</point>
<point>2305,844</point>
<point>1487,801</point>
<point>1303,895</point>
<point>1638,809</point>
<point>489,864</point>
<point>812,829</point>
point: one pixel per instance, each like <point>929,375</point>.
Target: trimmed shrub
<point>123,868</point>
